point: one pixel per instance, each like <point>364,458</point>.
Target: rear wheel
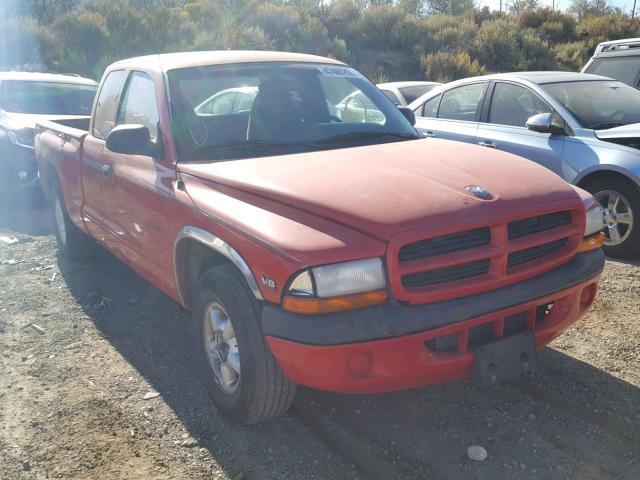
<point>621,203</point>
<point>238,369</point>
<point>73,243</point>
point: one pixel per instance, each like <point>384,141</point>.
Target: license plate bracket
<point>504,359</point>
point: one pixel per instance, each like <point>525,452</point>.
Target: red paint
<point>406,362</point>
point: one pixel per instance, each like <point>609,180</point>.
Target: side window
<point>430,107</point>
<point>243,103</point>
<point>513,105</point>
<point>108,101</point>
<point>140,105</point>
<point>461,103</point>
<point>223,105</point>
<point>392,96</point>
<point>624,69</point>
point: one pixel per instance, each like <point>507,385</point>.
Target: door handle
<point>107,171</point>
<point>487,143</point>
<point>428,134</point>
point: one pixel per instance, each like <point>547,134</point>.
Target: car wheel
<point>73,243</point>
<point>621,203</point>
<point>238,369</point>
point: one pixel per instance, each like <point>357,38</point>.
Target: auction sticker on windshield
<point>340,72</point>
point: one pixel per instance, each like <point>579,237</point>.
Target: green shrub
<point>446,66</point>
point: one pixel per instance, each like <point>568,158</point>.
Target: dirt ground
<point>83,344</point>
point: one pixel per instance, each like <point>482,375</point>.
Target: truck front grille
<point>537,224</point>
<point>534,253</point>
<point>448,274</point>
<point>446,244</point>
<point>480,259</point>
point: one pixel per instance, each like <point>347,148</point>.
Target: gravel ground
<point>83,344</point>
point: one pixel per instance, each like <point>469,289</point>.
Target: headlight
<point>21,139</point>
<point>340,286</point>
<point>593,235</point>
<point>594,221</point>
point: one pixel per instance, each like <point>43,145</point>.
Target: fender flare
<point>606,169</point>
<point>218,245</point>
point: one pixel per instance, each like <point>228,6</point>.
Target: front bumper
<point>18,166</point>
<point>393,347</point>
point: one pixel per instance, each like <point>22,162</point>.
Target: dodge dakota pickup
<point>317,242</point>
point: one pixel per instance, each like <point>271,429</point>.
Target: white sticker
<point>337,71</point>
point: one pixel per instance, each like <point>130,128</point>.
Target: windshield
<point>598,104</point>
<point>251,110</point>
<point>45,98</point>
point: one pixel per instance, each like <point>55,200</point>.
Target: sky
<point>625,5</point>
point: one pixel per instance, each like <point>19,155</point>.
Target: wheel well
<point>192,260</point>
<point>602,174</point>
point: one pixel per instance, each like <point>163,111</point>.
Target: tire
<point>256,391</point>
<point>73,243</point>
<point>626,243</point>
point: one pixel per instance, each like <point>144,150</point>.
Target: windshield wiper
<point>604,126</point>
<point>367,135</point>
<point>253,144</point>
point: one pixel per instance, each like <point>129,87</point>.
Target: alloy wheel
<point>58,214</point>
<point>221,347</point>
<point>617,216</point>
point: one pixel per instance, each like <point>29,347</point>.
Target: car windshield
<point>259,109</point>
<point>19,96</point>
<point>598,104</point>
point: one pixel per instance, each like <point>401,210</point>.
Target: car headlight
<point>593,235</point>
<point>21,139</point>
<point>594,214</point>
<point>336,287</point>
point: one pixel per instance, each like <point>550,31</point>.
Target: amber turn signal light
<point>334,304</point>
<point>592,242</point>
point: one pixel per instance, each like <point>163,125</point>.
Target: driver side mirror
<point>132,139</point>
<point>545,123</point>
<point>408,114</point>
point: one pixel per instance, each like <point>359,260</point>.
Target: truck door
<point>140,189</point>
<point>95,178</point>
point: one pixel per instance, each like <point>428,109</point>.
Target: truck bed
<point>58,149</point>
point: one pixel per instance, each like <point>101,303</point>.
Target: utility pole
<point>633,12</point>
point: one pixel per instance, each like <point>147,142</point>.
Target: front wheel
<point>621,203</point>
<point>238,369</point>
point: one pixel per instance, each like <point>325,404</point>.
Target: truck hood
<point>384,190</point>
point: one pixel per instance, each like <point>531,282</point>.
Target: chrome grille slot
<point>534,253</point>
<point>537,224</point>
<point>446,244</point>
<point>448,274</point>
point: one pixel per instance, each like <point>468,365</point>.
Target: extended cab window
<point>513,105</point>
<point>461,103</point>
<point>140,105</point>
<point>108,102</point>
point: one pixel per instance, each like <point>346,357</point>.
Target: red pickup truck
<point>316,240</point>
